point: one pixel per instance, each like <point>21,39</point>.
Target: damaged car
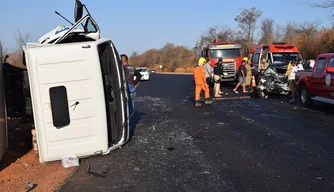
<point>273,81</point>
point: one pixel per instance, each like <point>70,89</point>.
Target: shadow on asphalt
<point>137,117</point>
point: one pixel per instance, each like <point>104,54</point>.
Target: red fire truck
<point>229,51</point>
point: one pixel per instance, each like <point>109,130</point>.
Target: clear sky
<point>138,25</point>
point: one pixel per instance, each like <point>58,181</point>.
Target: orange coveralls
<point>200,81</point>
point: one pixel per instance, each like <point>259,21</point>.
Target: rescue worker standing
<point>242,74</point>
<point>130,74</point>
<point>249,68</point>
<point>200,83</point>
<point>291,76</point>
<point>217,72</point>
<point>208,72</point>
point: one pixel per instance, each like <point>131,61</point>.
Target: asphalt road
<point>234,144</point>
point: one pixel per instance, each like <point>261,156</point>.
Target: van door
<point>318,77</point>
<point>68,100</point>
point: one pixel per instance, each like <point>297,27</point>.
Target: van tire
<point>305,97</point>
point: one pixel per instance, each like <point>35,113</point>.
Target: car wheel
<point>305,97</point>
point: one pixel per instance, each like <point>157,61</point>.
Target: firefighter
<point>200,83</point>
<point>217,72</point>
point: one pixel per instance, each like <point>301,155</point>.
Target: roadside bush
<point>173,58</point>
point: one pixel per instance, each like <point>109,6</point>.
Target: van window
<point>256,58</point>
<point>269,58</point>
<point>141,69</point>
<point>59,106</point>
<point>321,65</point>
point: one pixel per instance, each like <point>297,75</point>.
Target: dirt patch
<point>21,164</point>
<point>46,176</point>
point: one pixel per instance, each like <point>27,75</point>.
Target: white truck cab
<point>78,90</point>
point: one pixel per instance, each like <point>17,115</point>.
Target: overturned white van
<point>78,91</point>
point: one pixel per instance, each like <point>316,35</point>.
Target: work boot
<point>208,101</point>
<point>197,104</point>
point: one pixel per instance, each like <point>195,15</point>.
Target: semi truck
<point>231,52</point>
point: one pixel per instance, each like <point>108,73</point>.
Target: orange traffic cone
<point>253,82</point>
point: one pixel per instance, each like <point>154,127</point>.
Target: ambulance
<point>275,53</point>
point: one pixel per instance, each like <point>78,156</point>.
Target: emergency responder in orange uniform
<point>200,83</point>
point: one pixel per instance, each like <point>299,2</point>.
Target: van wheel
<point>261,93</point>
<point>305,97</point>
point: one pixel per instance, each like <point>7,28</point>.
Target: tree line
<point>308,36</point>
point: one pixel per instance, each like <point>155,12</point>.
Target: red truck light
<point>330,69</point>
<point>228,60</point>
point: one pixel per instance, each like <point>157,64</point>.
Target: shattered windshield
<point>225,53</point>
<point>285,57</point>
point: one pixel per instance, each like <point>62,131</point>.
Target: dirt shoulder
<point>21,163</point>
<point>46,177</point>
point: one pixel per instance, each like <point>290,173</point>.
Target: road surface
<point>248,144</point>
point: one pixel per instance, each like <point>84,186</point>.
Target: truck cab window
<point>331,62</point>
<point>321,65</point>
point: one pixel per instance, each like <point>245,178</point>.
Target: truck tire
<point>305,97</point>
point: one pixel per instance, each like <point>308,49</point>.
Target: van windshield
<point>285,57</point>
<point>225,53</point>
<point>141,69</point>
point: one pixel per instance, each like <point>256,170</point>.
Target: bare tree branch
<point>21,39</point>
<point>325,4</point>
<point>247,22</point>
<point>267,31</point>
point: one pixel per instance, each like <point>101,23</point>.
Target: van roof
<point>281,47</point>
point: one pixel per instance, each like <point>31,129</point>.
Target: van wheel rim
<point>303,96</point>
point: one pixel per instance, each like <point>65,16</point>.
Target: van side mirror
<point>78,10</point>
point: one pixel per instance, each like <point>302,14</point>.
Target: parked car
<point>144,72</point>
<point>317,83</point>
<point>152,71</point>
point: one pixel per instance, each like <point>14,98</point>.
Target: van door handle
<point>86,46</point>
